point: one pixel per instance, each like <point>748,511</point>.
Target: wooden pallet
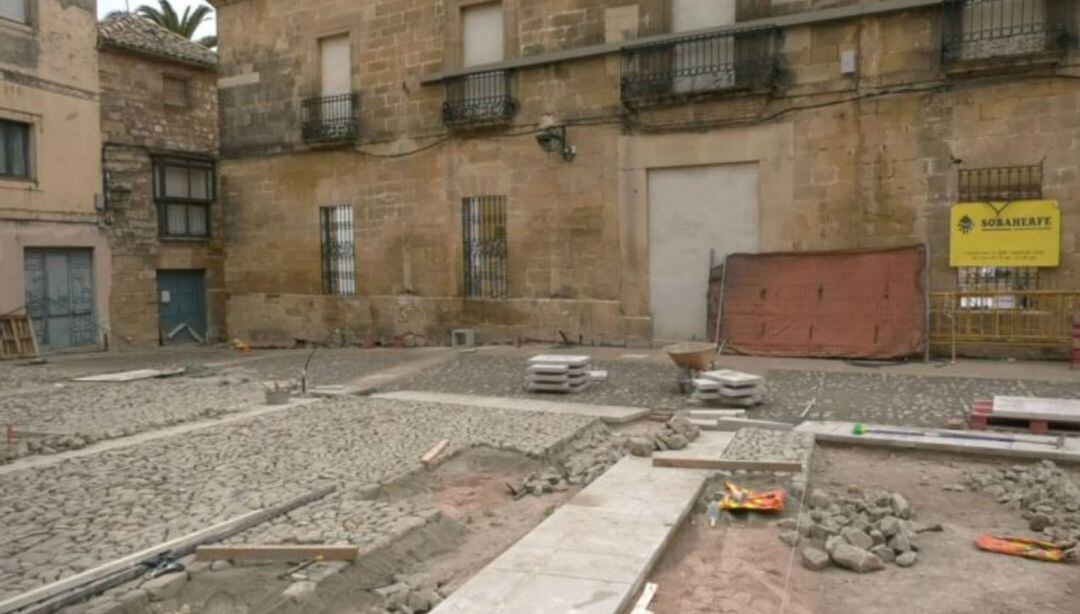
<point>17,339</point>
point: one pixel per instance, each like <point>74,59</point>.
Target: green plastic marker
<point>859,429</point>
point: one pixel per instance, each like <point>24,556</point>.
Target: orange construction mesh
<point>742,499</point>
<point>1019,546</point>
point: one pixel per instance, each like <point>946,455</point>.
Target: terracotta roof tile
<point>135,33</point>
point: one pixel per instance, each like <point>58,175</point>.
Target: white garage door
<point>695,211</point>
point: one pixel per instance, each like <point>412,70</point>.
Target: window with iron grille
<point>184,189</point>
<point>483,231</point>
<point>175,92</point>
<point>338,250</point>
<point>998,184</point>
<point>699,64</point>
<point>981,29</point>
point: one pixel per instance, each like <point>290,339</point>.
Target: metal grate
<point>479,98</point>
<point>483,231</point>
<point>338,250</point>
<point>698,64</point>
<point>1001,184</point>
<point>978,29</point>
<point>330,118</point>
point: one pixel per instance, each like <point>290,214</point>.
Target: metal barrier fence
<point>1031,319</point>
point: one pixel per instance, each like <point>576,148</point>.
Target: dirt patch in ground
<point>471,488</point>
<point>743,567</point>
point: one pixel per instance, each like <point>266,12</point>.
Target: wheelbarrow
<point>693,357</point>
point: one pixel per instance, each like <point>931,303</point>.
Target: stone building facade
<point>672,132</point>
<point>159,121</point>
<point>54,260</point>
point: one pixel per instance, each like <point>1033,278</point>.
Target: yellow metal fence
<point>1033,319</point>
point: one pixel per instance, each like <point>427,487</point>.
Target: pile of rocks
<point>860,532</point>
<point>678,432</point>
<point>581,461</point>
<point>412,595</point>
<point>1049,500</point>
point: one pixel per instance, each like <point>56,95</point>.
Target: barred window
<point>184,190</point>
<point>998,184</point>
<point>175,92</point>
<point>483,230</point>
<point>338,250</point>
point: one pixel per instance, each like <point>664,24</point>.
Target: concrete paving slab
<point>612,414</point>
<point>1032,408</point>
<point>1057,448</point>
<point>710,445</point>
<point>734,424</point>
<point>130,376</point>
<point>593,554</point>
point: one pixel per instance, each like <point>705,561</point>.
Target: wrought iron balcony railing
<point>479,98</point>
<point>700,64</point>
<point>987,29</point>
<point>330,118</point>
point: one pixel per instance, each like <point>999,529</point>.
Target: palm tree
<point>184,25</point>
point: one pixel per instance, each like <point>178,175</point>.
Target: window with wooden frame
<point>483,231</point>
<point>338,250</point>
<point>15,150</point>
<point>184,189</point>
<point>175,92</point>
<point>998,184</point>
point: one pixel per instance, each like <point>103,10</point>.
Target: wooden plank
<point>728,464</point>
<point>276,552</point>
<point>435,450</point>
<point>33,336</point>
<point>51,597</point>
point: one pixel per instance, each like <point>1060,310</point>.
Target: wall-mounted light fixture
<point>552,139</point>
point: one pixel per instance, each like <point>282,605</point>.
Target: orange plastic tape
<point>741,499</point>
<point>1019,546</point>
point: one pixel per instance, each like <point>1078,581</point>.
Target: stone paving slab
<point>710,445</point>
<point>1031,408</point>
<point>611,414</point>
<point>592,555</point>
<point>1065,449</point>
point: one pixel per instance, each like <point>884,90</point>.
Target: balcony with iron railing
<point>479,99</point>
<point>328,119</point>
<point>701,64</point>
<point>977,30</point>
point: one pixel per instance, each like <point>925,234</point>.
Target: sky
<point>107,6</point>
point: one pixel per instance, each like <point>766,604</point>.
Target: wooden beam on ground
<point>52,597</point>
<point>276,552</point>
<point>727,464</point>
<point>435,450</point>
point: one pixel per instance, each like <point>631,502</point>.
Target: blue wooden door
<point>182,305</point>
<point>60,297</point>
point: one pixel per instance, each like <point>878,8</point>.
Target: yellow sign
<point>1022,233</point>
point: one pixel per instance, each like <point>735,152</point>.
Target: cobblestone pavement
<point>76,414</point>
<point>635,384</point>
<point>68,517</point>
<point>873,396</point>
<point>331,365</point>
<point>16,374</point>
<point>880,397</point>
